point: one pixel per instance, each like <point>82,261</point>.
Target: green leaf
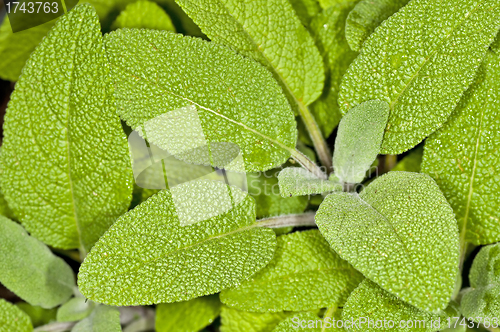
<point>65,163</point>
<point>38,315</point>
<point>143,14</point>
<point>366,16</point>
<point>464,154</point>
<point>328,31</point>
<point>412,162</point>
<point>269,32</point>
<point>77,308</point>
<point>325,4</point>
<point>296,181</point>
<point>370,302</point>
<point>227,99</point>
<point>300,320</point>
<point>495,46</point>
<point>30,270</point>
<point>305,274</point>
<point>148,257</point>
<point>187,316</point>
<point>358,140</point>
<point>234,320</point>
<point>13,319</point>
<point>421,64</point>
<point>482,300</point>
<point>264,188</point>
<point>399,232</point>
<point>305,10</point>
<point>102,319</point>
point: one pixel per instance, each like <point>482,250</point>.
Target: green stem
<point>324,154</point>
<point>308,164</point>
<point>295,220</point>
<point>56,327</point>
<point>329,313</point>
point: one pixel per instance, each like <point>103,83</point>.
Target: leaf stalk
<point>295,220</point>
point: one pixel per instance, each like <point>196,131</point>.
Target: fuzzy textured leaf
<point>30,270</point>
<point>399,232</point>
<point>102,319</point>
<point>297,321</point>
<point>295,181</point>
<point>143,14</point>
<point>366,16</point>
<point>358,140</point>
<point>328,31</point>
<point>69,186</point>
<point>305,274</point>
<point>482,300</point>
<point>147,257</point>
<point>464,157</point>
<point>38,315</point>
<point>235,99</point>
<point>370,302</point>
<point>421,60</point>
<point>234,320</point>
<point>187,316</point>
<point>268,31</point>
<point>75,309</point>
<point>305,10</point>
<point>13,319</point>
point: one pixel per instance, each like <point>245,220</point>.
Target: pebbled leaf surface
<point>148,257</point>
<point>296,181</point>
<point>464,157</point>
<point>102,319</point>
<point>305,274</point>
<point>236,100</point>
<point>143,14</point>
<point>13,319</point>
<point>65,164</point>
<point>30,270</point>
<point>421,60</point>
<point>234,320</point>
<point>401,233</point>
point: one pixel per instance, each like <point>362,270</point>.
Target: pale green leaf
<point>38,315</point>
<point>366,16</point>
<point>30,270</point>
<point>13,319</point>
<point>200,90</point>
<point>325,4</point>
<point>421,60</point>
<point>234,320</point>
<point>268,31</point>
<point>187,316</point>
<point>305,10</point>
<point>148,257</point>
<point>305,274</point>
<point>328,31</point>
<point>102,319</point>
<point>296,181</point>
<point>464,157</point>
<point>388,312</point>
<point>143,14</point>
<point>482,300</point>
<point>301,322</point>
<point>411,162</point>
<point>399,232</point>
<point>264,188</point>
<point>358,140</point>
<point>66,169</point>
<point>77,308</point>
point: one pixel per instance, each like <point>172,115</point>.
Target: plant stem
<point>319,142</point>
<point>329,313</point>
<point>56,327</point>
<point>304,219</point>
<point>308,164</point>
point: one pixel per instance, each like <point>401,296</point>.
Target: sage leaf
<point>388,312</point>
<point>305,274</point>
<point>282,44</point>
<point>13,319</point>
<point>464,157</point>
<point>148,257</point>
<point>482,300</point>
<point>30,270</point>
<point>301,322</point>
<point>412,162</point>
<point>102,319</point>
<point>77,308</point>
<point>325,4</point>
<point>38,315</point>
<point>143,14</point>
<point>397,230</point>
<point>187,316</point>
<point>65,163</point>
<point>366,16</point>
<point>234,320</point>
<point>200,89</point>
<point>358,140</point>
<point>421,64</point>
<point>305,10</point>
<point>296,181</point>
